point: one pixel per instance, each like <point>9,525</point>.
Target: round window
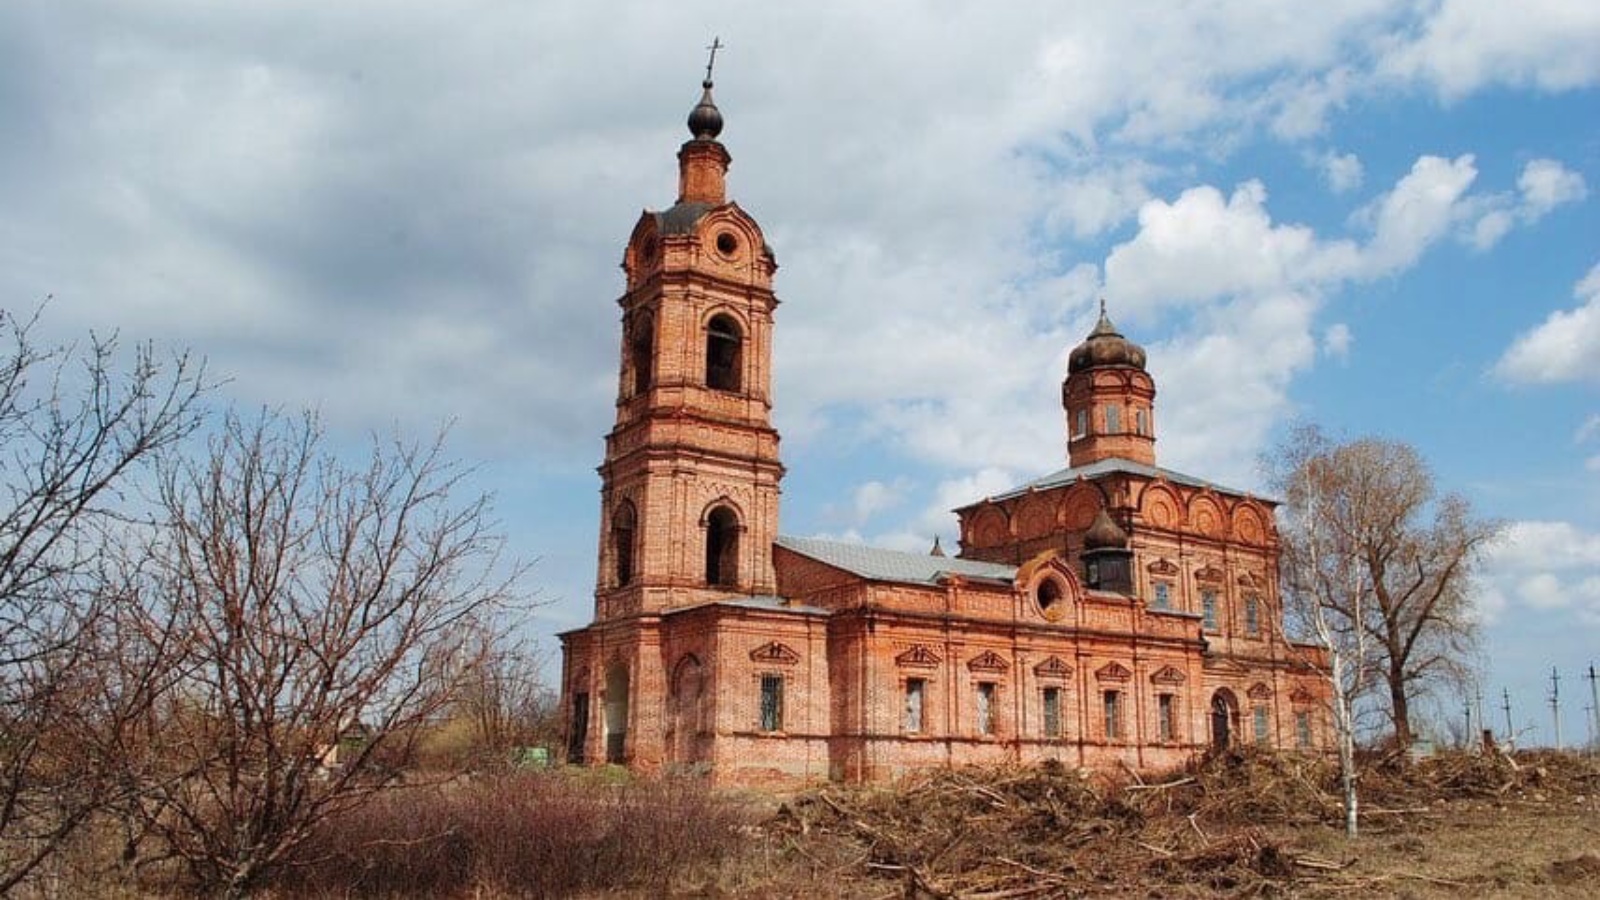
<point>727,244</point>
<point>1048,593</point>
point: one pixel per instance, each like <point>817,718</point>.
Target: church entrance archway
<point>1224,713</point>
<point>616,713</point>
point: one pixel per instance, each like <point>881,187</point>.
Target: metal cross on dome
<point>716,44</point>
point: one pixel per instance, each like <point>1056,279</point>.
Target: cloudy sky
<point>1381,217</point>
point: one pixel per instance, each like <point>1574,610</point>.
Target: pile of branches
<point>1045,831</point>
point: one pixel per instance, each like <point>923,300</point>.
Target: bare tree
<point>1360,548</point>
<point>311,599</point>
<point>507,700</point>
<point>76,425</point>
<point>1316,582</point>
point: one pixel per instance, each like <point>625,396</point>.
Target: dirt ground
<point>1451,826</point>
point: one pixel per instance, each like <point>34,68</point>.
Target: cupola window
<point>724,346</point>
<point>1113,419</point>
<point>1080,425</point>
<point>1141,422</point>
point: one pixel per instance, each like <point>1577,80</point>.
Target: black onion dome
<point>1104,534</point>
<point>1105,346</point>
<point>705,120</point>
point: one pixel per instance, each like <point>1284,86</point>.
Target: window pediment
<point>775,653</point>
<point>1169,675</point>
<point>987,661</point>
<point>1113,671</point>
<point>1053,667</point>
<point>1162,567</point>
<point>1209,574</point>
<point>918,656</point>
<point>1259,691</point>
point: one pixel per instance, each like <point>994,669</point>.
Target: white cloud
<point>1566,347</point>
<point>1336,340</point>
<point>1543,565</point>
<point>1546,184</point>
<point>1589,429</point>
<point>1466,45</point>
<point>1343,171</point>
<point>1420,209</point>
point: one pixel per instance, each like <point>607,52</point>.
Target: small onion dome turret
<point>1104,534</point>
<point>705,120</point>
<point>1105,346</point>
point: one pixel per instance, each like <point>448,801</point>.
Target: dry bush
<point>532,835</point>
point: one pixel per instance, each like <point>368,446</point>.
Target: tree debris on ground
<point>1230,823</point>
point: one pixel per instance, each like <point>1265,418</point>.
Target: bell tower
<point>1109,399</point>
<point>689,495</point>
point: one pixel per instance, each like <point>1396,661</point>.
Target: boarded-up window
<point>915,688</point>
<point>1166,717</point>
<point>986,698</point>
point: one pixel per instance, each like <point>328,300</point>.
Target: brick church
<point>1112,612</point>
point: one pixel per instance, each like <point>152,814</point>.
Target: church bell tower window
<point>1113,419</point>
<point>623,524</point>
<point>642,351</point>
<point>722,547</point>
<point>723,353</point>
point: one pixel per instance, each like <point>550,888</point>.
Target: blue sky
<point>1381,217</point>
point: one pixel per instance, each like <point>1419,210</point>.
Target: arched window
<point>723,353</point>
<point>722,547</point>
<point>642,351</point>
<point>624,522</point>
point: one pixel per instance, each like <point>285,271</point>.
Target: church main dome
<point>1105,346</point>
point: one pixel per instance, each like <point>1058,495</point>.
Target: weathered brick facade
<point>1111,613</point>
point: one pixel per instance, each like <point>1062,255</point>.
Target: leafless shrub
<point>535,835</point>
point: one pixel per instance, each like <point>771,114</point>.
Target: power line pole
<point>1483,724</point>
<point>1555,703</point>
<point>1594,710</point>
<point>1511,733</point>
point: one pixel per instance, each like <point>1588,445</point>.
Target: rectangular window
<point>914,691</point>
<point>1052,712</point>
<point>1081,423</point>
<point>1252,616</point>
<point>1302,730</point>
<point>771,702</point>
<point>1113,709</point>
<point>1113,419</point>
<point>1208,609</point>
<point>1261,724</point>
<point>986,695</point>
<point>1163,598</point>
<point>1166,717</point>
<point>1141,422</point>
